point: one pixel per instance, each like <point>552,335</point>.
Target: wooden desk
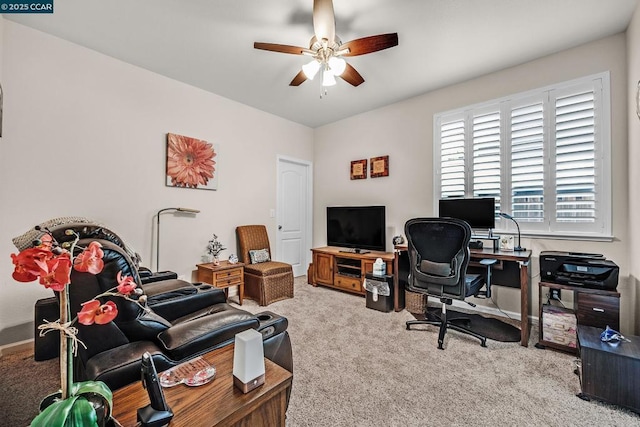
<point>223,276</point>
<point>522,259</point>
<point>218,403</point>
<point>508,262</point>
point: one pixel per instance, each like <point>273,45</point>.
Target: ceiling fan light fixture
<point>327,50</point>
<point>311,69</point>
<point>337,65</point>
<point>328,79</point>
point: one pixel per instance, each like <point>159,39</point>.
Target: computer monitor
<point>478,212</point>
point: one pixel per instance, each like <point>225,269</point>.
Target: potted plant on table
<point>214,247</point>
<point>85,403</point>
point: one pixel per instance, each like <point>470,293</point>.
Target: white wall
<point>404,131</point>
<point>85,135</point>
<point>633,58</point>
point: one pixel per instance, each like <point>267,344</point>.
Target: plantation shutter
<point>575,160</point>
<point>452,173</point>
<point>544,155</point>
<point>527,163</point>
<point>486,156</point>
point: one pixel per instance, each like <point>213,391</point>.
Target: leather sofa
<point>179,321</point>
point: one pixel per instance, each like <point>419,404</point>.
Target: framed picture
<point>359,169</point>
<point>191,163</point>
<point>379,166</point>
<point>506,243</point>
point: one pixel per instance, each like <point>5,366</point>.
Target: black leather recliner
<point>180,320</point>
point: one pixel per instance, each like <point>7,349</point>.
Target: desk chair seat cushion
<point>473,282</point>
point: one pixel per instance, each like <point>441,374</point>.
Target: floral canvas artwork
<point>191,163</point>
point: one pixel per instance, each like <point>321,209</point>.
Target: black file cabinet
<point>609,372</point>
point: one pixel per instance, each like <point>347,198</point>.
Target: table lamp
<point>506,215</point>
<point>248,360</point>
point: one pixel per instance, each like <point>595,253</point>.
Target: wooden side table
<point>223,276</point>
<point>218,403</point>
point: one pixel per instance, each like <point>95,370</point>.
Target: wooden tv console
<point>345,271</point>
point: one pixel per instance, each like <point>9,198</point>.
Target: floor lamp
<point>185,210</point>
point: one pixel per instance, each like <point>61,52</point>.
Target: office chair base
<point>449,324</point>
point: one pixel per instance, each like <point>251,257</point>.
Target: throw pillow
<point>259,255</point>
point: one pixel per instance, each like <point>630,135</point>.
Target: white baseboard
<point>494,311</point>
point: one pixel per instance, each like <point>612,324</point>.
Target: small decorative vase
<point>216,260</point>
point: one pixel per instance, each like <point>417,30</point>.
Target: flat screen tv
<point>356,227</point>
<point>478,212</point>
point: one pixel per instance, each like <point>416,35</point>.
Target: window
<point>543,155</point>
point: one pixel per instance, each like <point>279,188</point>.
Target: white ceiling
<point>209,43</point>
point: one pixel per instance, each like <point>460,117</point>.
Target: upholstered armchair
<point>265,280</point>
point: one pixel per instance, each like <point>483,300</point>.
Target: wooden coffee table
<point>217,403</point>
<point>223,276</point>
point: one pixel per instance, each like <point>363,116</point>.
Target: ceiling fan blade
<point>351,76</point>
<point>282,48</point>
<point>370,44</point>
<point>298,79</point>
<point>324,21</point>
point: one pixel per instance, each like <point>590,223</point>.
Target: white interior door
<point>293,237</point>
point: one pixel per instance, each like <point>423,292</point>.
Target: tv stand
<point>345,270</point>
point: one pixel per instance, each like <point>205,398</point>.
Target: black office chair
<point>438,259</point>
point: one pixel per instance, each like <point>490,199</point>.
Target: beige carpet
<point>354,366</point>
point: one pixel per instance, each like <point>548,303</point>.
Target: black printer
<point>578,269</point>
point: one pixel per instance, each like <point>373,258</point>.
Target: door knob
<point>279,227</point>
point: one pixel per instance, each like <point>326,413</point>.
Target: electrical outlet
<point>554,294</point>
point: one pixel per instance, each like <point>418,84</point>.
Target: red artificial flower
<point>46,242</point>
<point>126,285</point>
<point>189,161</point>
<point>93,312</point>
<point>90,260</point>
<point>26,263</point>
<point>55,273</point>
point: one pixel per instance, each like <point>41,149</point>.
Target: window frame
<point>601,229</point>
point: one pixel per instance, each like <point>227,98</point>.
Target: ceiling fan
<point>328,51</point>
